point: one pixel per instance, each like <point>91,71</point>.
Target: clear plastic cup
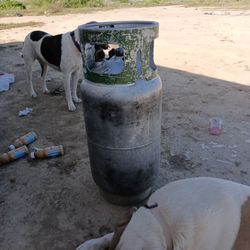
<point>215,125</point>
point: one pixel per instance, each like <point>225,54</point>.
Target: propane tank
<point>122,111</point>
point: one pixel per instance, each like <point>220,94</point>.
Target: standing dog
<point>62,52</point>
<point>200,213</point>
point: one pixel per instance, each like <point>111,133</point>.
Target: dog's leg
<point>29,78</point>
<point>44,72</point>
<point>29,58</point>
<point>67,78</point>
<point>75,79</point>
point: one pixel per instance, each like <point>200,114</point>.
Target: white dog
<point>200,213</point>
<point>62,52</point>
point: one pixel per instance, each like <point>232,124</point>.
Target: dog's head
<point>139,230</point>
<point>143,232</point>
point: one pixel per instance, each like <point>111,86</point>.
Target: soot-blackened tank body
<point>122,108</point>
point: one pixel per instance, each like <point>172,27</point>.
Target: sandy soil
<point>203,59</point>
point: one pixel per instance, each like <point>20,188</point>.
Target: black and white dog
<point>62,52</point>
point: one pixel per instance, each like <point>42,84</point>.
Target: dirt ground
<point>203,58</point>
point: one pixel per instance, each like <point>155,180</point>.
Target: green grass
<point>5,26</point>
<point>41,7</point>
<point>11,4</point>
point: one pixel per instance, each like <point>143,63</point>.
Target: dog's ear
<point>120,227</point>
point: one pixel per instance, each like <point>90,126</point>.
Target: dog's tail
<point>21,53</point>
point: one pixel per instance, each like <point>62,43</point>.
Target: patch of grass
<point>55,6</point>
<point>83,3</point>
<point>11,4</point>
<point>48,7</point>
<point>5,26</point>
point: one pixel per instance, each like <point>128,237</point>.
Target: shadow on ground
<point>54,204</point>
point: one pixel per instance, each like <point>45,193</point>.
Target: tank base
<point>133,200</point>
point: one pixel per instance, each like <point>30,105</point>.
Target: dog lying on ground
<point>62,52</point>
<point>200,213</point>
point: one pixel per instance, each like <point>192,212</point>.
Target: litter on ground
<point>25,112</point>
<point>5,80</point>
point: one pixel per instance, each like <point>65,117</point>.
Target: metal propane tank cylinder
<point>121,94</point>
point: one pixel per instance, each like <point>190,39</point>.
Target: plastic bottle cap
<point>32,155</point>
<point>11,147</point>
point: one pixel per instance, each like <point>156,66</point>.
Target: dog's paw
<point>71,107</point>
<point>77,100</point>
<point>46,91</point>
<point>33,94</point>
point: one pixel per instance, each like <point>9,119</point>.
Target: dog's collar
<point>157,213</point>
<point>72,34</point>
<point>151,206</point>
